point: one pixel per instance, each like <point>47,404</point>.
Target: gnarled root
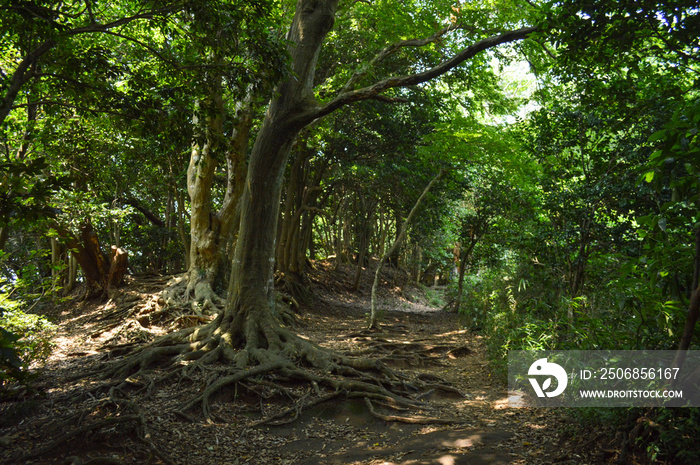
<point>181,303</point>
<point>260,350</point>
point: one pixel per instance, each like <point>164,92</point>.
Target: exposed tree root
<point>410,420</point>
<point>268,354</point>
<point>177,304</point>
<point>132,416</point>
<point>293,289</point>
<point>74,460</point>
<point>278,419</point>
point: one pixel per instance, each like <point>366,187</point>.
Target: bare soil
<point>70,417</point>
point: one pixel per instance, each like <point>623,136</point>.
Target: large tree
<point>238,63</point>
<point>247,332</point>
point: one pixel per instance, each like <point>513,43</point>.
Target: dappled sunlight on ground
<point>430,346</point>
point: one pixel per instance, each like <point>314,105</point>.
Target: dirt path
<point>414,339</point>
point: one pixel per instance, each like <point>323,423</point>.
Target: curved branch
<point>393,48</point>
<point>22,73</point>
<point>21,76</point>
<point>372,91</point>
<point>394,248</point>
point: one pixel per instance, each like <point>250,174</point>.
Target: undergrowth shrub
<point>24,339</point>
<point>515,309</point>
<point>673,436</point>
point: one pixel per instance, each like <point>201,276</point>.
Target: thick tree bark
<point>204,223</point>
<point>211,232</point>
<point>119,262</point>
<point>250,311</point>
<point>102,274</point>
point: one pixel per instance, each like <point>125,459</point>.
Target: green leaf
<point>658,135</point>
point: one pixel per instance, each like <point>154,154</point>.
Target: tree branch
<point>150,216</point>
<point>21,76</point>
<point>387,99</point>
<point>372,91</point>
<point>22,73</point>
<point>393,48</point>
<point>395,246</point>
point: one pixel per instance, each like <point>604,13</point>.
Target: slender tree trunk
<point>4,236</point>
<point>338,230</point>
<point>181,229</point>
<point>463,260</point>
<point>383,232</point>
<point>72,274</point>
<point>392,250</point>
<point>57,274</point>
<point>394,257</point>
<point>302,192</point>
<point>364,233</point>
<point>419,260</point>
<point>693,309</point>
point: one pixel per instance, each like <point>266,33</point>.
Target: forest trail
<point>415,338</point>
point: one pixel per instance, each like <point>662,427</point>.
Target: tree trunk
<point>393,258</point>
<point>364,235</point>
<point>302,192</point>
<point>117,268</point>
<point>338,223</point>
<point>463,259</point>
<point>72,274</point>
<point>4,235</point>
<point>211,233</point>
<point>292,204</point>
<point>250,311</point>
<point>204,225</point>
<point>58,275</point>
<point>249,317</point>
<point>693,309</point>
<point>182,234</point>
<point>248,331</point>
<point>101,273</point>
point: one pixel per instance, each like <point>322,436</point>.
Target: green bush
<point>24,338</point>
<point>673,436</point>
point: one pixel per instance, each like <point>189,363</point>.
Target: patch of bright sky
<point>519,83</point>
